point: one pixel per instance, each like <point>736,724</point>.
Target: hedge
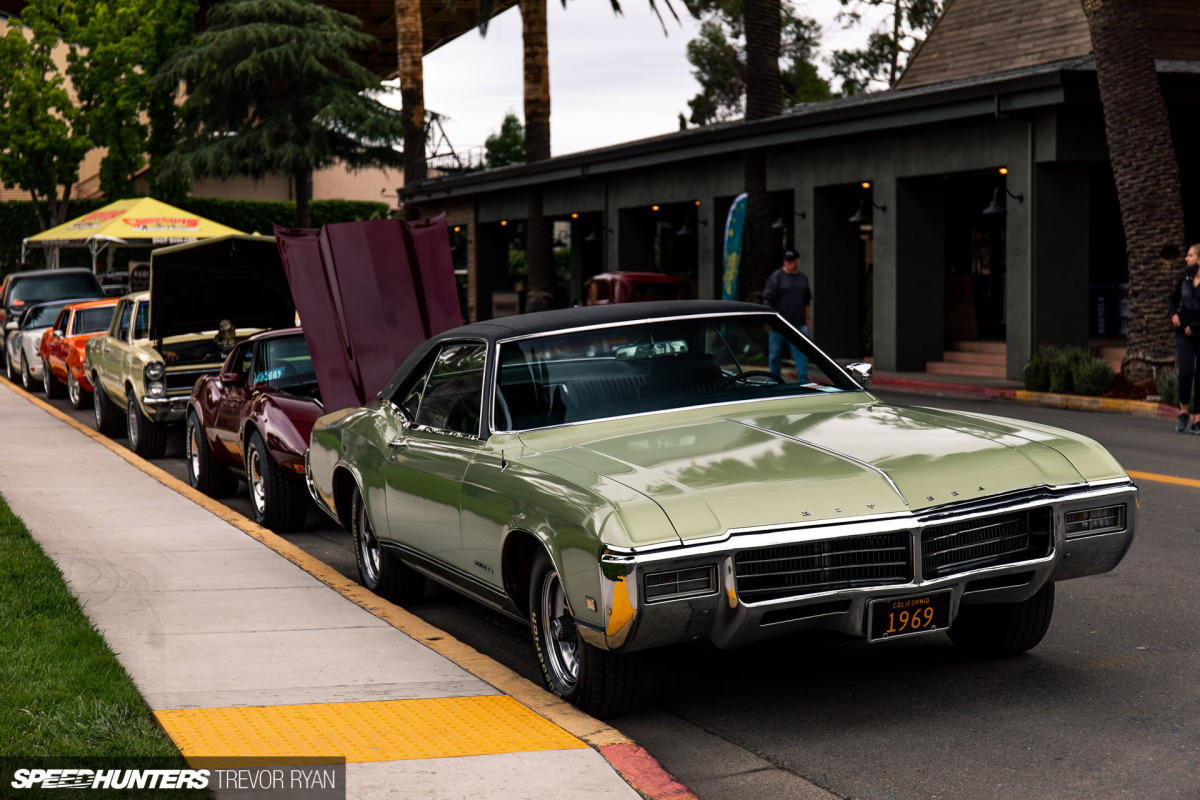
<point>17,221</point>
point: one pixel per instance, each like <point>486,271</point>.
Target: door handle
<point>398,443</point>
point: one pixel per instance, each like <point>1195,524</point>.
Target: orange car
<point>62,348</point>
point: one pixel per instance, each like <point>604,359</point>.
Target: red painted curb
<point>643,772</point>
<point>933,387</point>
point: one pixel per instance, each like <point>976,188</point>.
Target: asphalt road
<point>1108,706</point>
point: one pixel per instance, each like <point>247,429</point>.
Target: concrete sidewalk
<point>241,652</point>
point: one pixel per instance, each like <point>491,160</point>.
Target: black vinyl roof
<point>587,316</point>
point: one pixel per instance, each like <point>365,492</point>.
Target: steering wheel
<point>752,377</point>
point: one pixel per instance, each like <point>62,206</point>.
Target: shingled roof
<point>973,38</point>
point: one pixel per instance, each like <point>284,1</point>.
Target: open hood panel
<point>368,294</point>
<point>239,278</point>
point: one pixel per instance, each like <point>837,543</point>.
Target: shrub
<point>1037,371</point>
<point>1062,368</point>
<point>1093,377</point>
<point>1168,386</point>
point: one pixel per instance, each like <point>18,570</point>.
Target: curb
<point>1141,408</point>
<point>631,761</point>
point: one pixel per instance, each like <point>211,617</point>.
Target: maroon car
<point>252,422</point>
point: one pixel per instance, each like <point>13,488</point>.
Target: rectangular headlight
<point>1095,520</point>
<point>681,583</point>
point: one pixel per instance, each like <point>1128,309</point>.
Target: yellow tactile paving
<point>388,730</point>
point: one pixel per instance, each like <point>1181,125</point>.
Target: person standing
<point>1184,307</point>
<point>787,292</point>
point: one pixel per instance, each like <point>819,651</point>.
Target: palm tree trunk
<point>411,71</point>
<point>303,215</point>
<point>764,98</point>
<point>538,253</point>
<point>1146,174</point>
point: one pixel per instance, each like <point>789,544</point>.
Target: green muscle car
<point>631,476</point>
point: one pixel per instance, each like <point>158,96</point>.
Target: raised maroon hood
<point>368,293</point>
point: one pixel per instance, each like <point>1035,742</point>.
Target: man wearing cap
<point>788,293</point>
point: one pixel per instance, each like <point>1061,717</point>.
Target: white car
<point>24,359</point>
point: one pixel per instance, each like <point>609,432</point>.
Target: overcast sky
<point>612,78</point>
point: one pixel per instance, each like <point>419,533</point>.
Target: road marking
<point>1150,476</point>
<point>384,730</point>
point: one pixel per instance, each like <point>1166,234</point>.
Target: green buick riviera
<point>631,476</point>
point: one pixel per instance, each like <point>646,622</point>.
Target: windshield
<point>285,364</point>
<point>52,287</point>
<point>41,316</point>
<point>652,366</point>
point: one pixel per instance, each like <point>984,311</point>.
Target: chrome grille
<point>770,573</point>
<point>182,382</point>
<point>985,542</point>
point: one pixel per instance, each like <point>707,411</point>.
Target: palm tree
<point>764,97</point>
<point>1146,174</point>
<point>538,250</point>
<point>411,71</point>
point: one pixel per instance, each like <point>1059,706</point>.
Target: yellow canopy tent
<point>136,222</point>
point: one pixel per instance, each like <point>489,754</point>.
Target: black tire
<point>279,500</point>
<point>378,569</point>
<point>146,438</point>
<point>106,412</point>
<point>204,473</point>
<point>27,381</point>
<point>1004,629</point>
<point>80,398</point>
<point>51,385</point>
<point>599,682</point>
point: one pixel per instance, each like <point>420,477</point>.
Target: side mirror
<point>230,377</point>
<point>11,325</point>
<point>861,372</point>
<point>57,334</point>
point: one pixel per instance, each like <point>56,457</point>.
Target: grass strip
<point>62,690</point>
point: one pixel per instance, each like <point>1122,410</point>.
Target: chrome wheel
<point>131,425</point>
<point>74,390</point>
<point>558,632</point>
<point>254,475</point>
<point>368,547</point>
<point>193,449</point>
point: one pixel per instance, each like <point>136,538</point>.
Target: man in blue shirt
<point>787,292</point>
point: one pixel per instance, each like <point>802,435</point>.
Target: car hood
<point>822,459</point>
<point>239,278</point>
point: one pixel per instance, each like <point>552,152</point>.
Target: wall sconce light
<point>503,223</point>
<point>654,208</point>
<point>684,230</point>
<point>996,207</point>
<point>866,213</point>
<point>574,215</point>
<point>782,222</point>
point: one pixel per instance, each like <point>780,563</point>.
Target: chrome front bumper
<point>166,409</point>
<point>725,619</point>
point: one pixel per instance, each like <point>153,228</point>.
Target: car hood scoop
<point>748,471</point>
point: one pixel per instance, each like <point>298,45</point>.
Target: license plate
<point>904,616</point>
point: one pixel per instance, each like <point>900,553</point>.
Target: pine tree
<point>273,90</point>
